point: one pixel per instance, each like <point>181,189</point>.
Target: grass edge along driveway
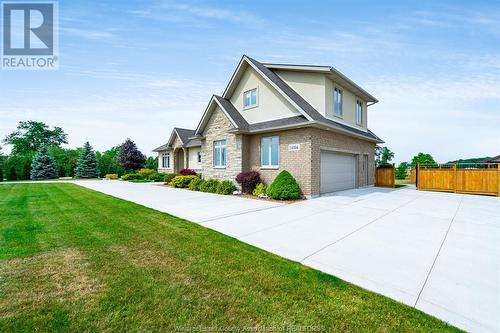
<point>74,260</point>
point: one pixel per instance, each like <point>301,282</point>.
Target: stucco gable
<point>271,104</point>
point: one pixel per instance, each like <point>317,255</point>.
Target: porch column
<point>186,156</point>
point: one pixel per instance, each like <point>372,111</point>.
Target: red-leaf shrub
<point>188,172</point>
<point>248,180</point>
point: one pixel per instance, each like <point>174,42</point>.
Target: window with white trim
<point>269,151</point>
<point>165,160</point>
<point>220,153</point>
<point>250,98</point>
<point>337,102</point>
<point>359,112</point>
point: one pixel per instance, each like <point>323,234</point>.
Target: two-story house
<point>309,120</point>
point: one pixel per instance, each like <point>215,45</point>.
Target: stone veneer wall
<point>216,129</point>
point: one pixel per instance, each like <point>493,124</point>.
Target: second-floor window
<point>220,153</point>
<point>337,102</point>
<point>250,98</point>
<point>269,151</point>
<point>165,160</point>
<point>359,112</point>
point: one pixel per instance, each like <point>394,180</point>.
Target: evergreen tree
<point>43,165</point>
<point>130,157</point>
<point>87,164</point>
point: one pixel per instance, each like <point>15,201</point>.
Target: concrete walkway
<point>438,252</point>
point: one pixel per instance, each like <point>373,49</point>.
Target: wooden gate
<point>384,176</point>
<point>474,178</point>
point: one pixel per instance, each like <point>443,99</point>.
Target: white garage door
<point>338,171</point>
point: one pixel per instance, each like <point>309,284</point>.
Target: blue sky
<point>138,68</point>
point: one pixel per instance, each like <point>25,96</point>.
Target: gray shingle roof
<point>240,122</point>
<point>296,120</point>
<point>304,105</point>
<point>184,134</point>
<point>292,94</point>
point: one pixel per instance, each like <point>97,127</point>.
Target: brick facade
<point>243,153</point>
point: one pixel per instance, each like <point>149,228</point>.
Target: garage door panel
<point>338,171</point>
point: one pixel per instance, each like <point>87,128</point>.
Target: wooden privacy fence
<point>413,175</point>
<point>473,178</point>
<point>384,176</point>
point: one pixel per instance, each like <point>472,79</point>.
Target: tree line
<point>383,157</point>
<point>37,147</point>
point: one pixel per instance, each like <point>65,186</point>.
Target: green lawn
<point>76,260</point>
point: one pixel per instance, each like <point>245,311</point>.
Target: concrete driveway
<point>438,252</point>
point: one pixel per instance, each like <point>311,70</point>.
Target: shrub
<point>131,176</point>
<point>284,187</point>
<point>156,177</point>
<point>145,173</point>
<point>248,180</point>
<point>225,187</point>
<point>182,181</point>
<point>260,189</point>
<point>111,176</point>
<point>196,183</point>
<point>209,186</point>
<point>188,172</point>
<point>167,178</point>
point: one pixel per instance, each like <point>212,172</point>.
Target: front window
<point>165,160</point>
<point>359,112</point>
<point>337,102</point>
<point>250,98</point>
<point>220,153</point>
<point>269,151</point>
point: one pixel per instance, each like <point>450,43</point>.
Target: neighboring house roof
<point>185,136</point>
<point>495,159</point>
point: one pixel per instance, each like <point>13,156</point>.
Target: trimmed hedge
<point>131,176</point>
<point>196,183</point>
<point>182,181</point>
<point>167,178</point>
<point>225,187</point>
<point>111,176</point>
<point>145,172</point>
<point>156,177</point>
<point>284,187</point>
<point>209,186</point>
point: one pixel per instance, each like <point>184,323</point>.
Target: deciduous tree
<point>30,136</point>
<point>130,157</point>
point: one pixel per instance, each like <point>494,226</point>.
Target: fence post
<point>393,176</point>
<point>498,167</point>
<point>455,177</point>
<point>416,176</point>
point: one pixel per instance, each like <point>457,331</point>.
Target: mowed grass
<point>76,260</point>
